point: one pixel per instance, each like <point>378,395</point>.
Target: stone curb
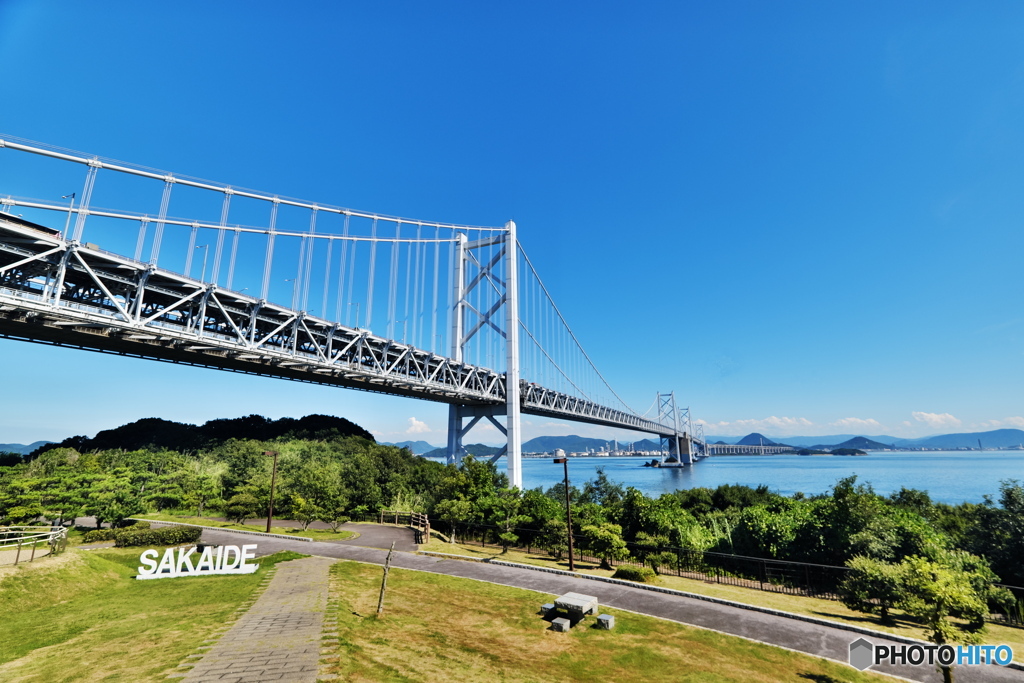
<point>697,596</point>
<point>219,528</point>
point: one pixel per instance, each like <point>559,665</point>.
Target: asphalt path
<point>794,634</point>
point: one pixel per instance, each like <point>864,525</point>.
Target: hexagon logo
<point>862,654</point>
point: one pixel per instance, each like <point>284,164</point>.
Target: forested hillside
<point>325,474</point>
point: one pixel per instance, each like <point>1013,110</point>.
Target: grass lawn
<point>815,607</point>
<point>81,616</point>
<point>441,628</point>
<point>315,534</point>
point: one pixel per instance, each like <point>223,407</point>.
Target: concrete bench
<point>561,624</point>
<point>547,608</point>
<point>577,605</point>
<point>605,621</point>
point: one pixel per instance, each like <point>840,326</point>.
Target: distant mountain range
<point>477,449</point>
<point>21,449</point>
<point>417,447</point>
<point>998,438</point>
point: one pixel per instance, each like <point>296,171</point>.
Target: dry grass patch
<point>445,628</point>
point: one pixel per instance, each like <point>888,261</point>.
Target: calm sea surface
<point>948,476</point>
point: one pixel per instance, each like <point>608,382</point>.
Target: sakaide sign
<point>224,559</point>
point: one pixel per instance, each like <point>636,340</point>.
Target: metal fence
<point>26,543</point>
<point>776,576</point>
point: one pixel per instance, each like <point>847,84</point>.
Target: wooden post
<point>384,581</point>
<point>35,541</point>
<point>17,555</point>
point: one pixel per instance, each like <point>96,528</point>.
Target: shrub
<point>169,535</point>
<point>630,573</point>
<point>98,535</point>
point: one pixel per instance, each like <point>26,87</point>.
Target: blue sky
<point>803,218</point>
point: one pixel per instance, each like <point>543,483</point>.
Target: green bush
<point>98,535</point>
<point>169,535</point>
<point>628,572</point>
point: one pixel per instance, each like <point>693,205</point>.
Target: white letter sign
<point>229,559</point>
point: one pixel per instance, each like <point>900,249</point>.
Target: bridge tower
<point>468,321</point>
<point>680,444</point>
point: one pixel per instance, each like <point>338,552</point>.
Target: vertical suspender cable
<point>433,306</point>
<point>225,207</point>
<point>350,296</point>
<point>269,259</point>
<point>369,283</point>
<point>142,238</point>
<point>341,273</point>
<point>327,282</point>
<point>165,200</point>
<point>231,261</point>
<point>393,282</point>
<point>416,309</point>
<point>83,206</point>
<point>309,262</point>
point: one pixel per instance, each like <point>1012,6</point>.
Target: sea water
<point>948,476</point>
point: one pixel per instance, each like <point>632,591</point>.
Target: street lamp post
<point>273,481</point>
<point>568,513</point>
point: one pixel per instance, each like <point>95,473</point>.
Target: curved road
<point>812,639</point>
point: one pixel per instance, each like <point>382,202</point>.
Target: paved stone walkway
<point>278,638</point>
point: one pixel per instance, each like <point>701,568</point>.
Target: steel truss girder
<point>58,291</point>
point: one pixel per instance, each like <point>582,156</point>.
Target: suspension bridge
<point>256,283</point>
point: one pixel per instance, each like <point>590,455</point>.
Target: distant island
<point>165,433</point>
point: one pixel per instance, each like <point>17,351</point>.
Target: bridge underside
<point>55,291</point>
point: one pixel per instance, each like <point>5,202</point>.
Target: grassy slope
<point>444,628</point>
<point>82,616</point>
<point>814,607</point>
<point>315,534</point>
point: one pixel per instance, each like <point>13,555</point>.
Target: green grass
<point>315,534</point>
<point>439,627</point>
<point>797,604</point>
<point>82,616</point>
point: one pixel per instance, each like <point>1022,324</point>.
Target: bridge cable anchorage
<point>498,344</point>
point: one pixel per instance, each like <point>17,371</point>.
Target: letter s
<point>148,558</point>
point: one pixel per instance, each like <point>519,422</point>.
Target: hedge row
<point>168,535</point>
<point>97,535</point>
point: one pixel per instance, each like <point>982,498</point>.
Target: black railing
<point>776,576</point>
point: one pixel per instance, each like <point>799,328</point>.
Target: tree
<point>113,499</point>
<point>937,594</point>
<point>606,542</point>
<point>242,506</point>
<point>453,512</point>
<point>553,538</point>
<point>506,514</point>
<point>873,585</point>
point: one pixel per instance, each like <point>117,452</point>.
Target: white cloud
<point>778,426</point>
<point>857,423</point>
<point>1005,422</point>
<point>936,420</point>
<point>417,427</point>
<point>1015,421</point>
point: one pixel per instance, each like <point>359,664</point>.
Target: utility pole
<point>273,481</point>
<point>568,512</point>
